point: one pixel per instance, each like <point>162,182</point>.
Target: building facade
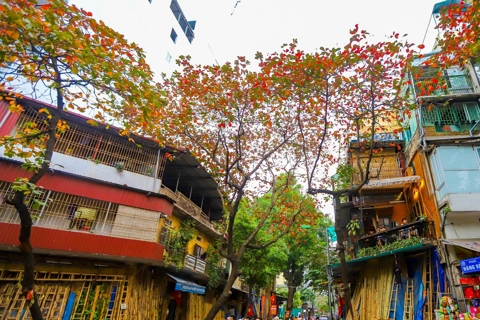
<point>445,136</point>
<point>390,237</point>
<point>104,234</point>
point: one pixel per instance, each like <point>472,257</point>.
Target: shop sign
<point>470,265</point>
<point>273,310</point>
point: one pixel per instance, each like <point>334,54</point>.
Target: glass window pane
<point>456,158</point>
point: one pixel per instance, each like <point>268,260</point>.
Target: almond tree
<point>239,126</point>
<point>459,25</point>
<point>341,94</point>
<point>59,52</point>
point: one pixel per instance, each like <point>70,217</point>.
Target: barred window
<point>90,144</point>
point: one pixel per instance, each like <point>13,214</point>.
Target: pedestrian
<point>230,317</point>
<point>406,231</point>
<point>276,318</point>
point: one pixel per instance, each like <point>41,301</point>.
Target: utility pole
<point>329,268</point>
<point>329,275</point>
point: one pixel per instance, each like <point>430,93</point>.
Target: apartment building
<point>102,239</point>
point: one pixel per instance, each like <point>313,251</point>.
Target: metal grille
<point>473,110</point>
<point>458,113</point>
<point>69,212</point>
<point>428,116</point>
<point>453,81</point>
<point>446,115</point>
<point>100,147</point>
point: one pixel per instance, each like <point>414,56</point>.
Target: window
<point>173,36</point>
<point>197,251</point>
<point>437,170</point>
<point>458,113</point>
<point>168,57</point>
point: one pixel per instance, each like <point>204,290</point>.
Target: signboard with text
<point>470,265</point>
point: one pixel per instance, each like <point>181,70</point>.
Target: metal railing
<point>421,229</point>
<point>82,142</point>
<point>195,263</point>
<point>453,84</point>
<point>80,214</point>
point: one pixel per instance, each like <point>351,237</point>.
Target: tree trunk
<point>343,262</point>
<point>266,307</point>
<point>291,294</point>
<point>223,298</point>
<point>27,253</point>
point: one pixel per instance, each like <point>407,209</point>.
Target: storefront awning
<point>470,244</point>
<point>187,286</point>
<point>392,183</point>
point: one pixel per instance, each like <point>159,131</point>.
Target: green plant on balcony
<point>353,227</point>
<point>400,244</point>
<point>214,271</point>
<point>119,166</point>
<point>177,242</point>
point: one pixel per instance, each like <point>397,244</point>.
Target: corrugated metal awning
<point>392,183</point>
<point>470,244</point>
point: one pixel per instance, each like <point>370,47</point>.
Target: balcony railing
<point>385,173</point>
<point>193,210</point>
<point>99,147</point>
<point>194,263</point>
<point>168,193</point>
<point>394,238</point>
<point>69,212</point>
<point>450,85</point>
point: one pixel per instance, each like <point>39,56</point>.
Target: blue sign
<point>470,265</point>
<point>187,286</point>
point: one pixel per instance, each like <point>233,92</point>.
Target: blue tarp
<point>187,286</point>
<point>439,275</point>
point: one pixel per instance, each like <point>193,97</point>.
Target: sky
<point>264,25</point>
<point>226,29</point>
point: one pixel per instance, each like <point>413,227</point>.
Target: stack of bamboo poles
<point>146,295</point>
<point>370,299</point>
<point>199,305</point>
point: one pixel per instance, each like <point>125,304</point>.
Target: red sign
<point>273,310</point>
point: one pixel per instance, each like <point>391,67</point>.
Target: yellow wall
<point>399,212</point>
<point>175,222</point>
<point>426,194</point>
<point>204,243</point>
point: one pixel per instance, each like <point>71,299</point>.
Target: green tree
<point>63,52</point>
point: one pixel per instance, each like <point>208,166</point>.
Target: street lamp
<point>329,270</point>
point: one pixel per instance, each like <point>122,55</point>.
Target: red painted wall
<point>82,242</point>
<point>90,189</point>
<point>9,120</point>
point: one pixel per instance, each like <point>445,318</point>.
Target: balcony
<point>80,224</point>
<point>385,173</point>
<point>398,238</point>
<point>455,82</point>
<point>189,207</point>
<point>195,264</point>
<point>91,153</point>
<point>454,119</point>
<point>187,261</point>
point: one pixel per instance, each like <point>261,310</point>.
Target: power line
<point>236,4</point>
